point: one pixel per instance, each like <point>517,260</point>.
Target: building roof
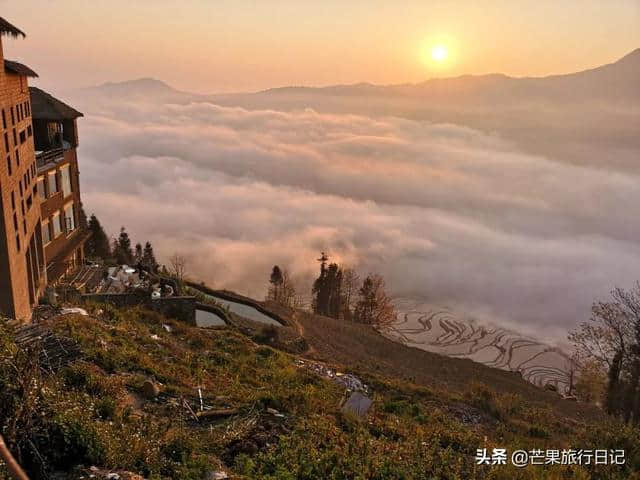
<point>7,29</point>
<point>45,106</point>
<point>19,69</point>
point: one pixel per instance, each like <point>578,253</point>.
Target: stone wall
<point>179,308</point>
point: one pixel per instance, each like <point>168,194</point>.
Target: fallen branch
<point>14,469</point>
<point>218,413</point>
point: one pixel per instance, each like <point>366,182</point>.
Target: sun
<point>439,53</point>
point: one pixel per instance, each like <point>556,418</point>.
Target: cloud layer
<point>447,214</point>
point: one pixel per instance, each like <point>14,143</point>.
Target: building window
<point>28,105</point>
<point>57,225</point>
<point>6,142</point>
<point>4,119</point>
<point>18,241</point>
<point>15,222</point>
<point>15,138</point>
<point>23,136</point>
<point>9,164</point>
<point>29,202</point>
<point>29,131</point>
<point>65,177</point>
<point>53,183</point>
<point>18,157</point>
<point>46,232</point>
<point>69,218</point>
<point>13,199</point>
<point>41,189</point>
<point>21,190</point>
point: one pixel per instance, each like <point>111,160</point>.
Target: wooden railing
<point>49,156</point>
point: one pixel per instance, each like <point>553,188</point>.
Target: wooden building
<point>41,234</point>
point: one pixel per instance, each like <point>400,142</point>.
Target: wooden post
<point>14,469</point>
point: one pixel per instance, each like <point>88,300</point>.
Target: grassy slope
<point>365,349</point>
<point>92,412</point>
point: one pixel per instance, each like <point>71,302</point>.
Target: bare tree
<point>611,339</point>
<point>374,306</point>
<point>178,266</point>
<point>608,331</point>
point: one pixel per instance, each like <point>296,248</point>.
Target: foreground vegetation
<point>97,411</point>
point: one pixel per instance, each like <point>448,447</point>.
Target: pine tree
<point>327,289</point>
<point>334,287</point>
<point>367,304</point>
<point>148,258</point>
<point>281,288</point>
<point>351,285</point>
<point>320,302</point>
<point>82,217</point>
<point>98,244</point>
<point>122,250</point>
<point>275,289</point>
<point>137,256</point>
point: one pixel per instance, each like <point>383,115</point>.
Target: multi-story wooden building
<point>22,264</point>
<point>55,134</point>
<point>40,232</point>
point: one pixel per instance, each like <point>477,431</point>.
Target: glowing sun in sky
<point>439,53</point>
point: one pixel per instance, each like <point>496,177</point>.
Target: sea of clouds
<point>447,214</point>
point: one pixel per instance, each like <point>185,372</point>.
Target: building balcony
<point>49,158</point>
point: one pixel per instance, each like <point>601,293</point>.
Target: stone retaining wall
<point>179,308</point>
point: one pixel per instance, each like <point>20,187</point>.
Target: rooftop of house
<point>45,106</point>
<point>18,68</point>
<point>7,29</point>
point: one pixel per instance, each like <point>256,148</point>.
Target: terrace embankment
<point>364,349</point>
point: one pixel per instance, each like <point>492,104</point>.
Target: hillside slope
<point>264,415</point>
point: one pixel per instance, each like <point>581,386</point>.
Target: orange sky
<point>215,46</point>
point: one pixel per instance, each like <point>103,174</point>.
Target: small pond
<point>244,311</point>
<point>208,319</point>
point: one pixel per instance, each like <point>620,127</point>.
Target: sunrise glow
<point>439,53</point>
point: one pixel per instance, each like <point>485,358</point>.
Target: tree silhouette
<point>327,289</point>
<point>148,258</point>
<point>98,244</point>
<point>122,250</point>
<point>374,306</point>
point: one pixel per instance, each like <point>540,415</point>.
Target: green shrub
<point>68,442</point>
<point>538,431</point>
<point>106,408</point>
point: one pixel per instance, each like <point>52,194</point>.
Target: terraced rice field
<point>440,330</point>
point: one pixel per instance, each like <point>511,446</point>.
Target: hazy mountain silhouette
<point>616,81</point>
<point>588,117</point>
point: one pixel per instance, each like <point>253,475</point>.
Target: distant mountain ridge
<point>621,77</point>
<point>588,117</point>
